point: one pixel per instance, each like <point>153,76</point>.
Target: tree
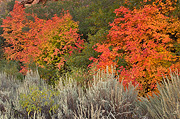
<point>59,38</point>
<point>20,44</point>
<point>140,36</point>
<point>45,42</point>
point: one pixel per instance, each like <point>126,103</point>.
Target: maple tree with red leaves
<point>141,37</point>
<point>29,38</point>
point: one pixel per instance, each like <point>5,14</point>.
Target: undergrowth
<point>104,98</point>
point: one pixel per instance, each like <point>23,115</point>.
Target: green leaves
<point>37,99</point>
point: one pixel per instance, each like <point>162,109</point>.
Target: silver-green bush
<point>165,105</point>
<point>105,98</point>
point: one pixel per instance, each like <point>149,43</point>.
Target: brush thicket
<point>104,98</point>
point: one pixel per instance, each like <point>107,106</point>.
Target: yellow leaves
<point>61,38</point>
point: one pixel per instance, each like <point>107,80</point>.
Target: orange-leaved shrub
<point>45,42</point>
<point>142,37</point>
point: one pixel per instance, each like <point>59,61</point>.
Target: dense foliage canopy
<point>29,38</point>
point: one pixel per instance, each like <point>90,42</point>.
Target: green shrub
<point>30,98</point>
<point>50,74</point>
<point>48,11</point>
<point>80,75</point>
<point>11,68</point>
<point>37,100</point>
<point>81,60</point>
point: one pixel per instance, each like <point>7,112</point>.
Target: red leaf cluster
<point>29,38</point>
<point>141,36</point>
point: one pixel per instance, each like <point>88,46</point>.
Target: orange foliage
<point>20,43</point>
<point>142,36</point>
<point>29,38</point>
